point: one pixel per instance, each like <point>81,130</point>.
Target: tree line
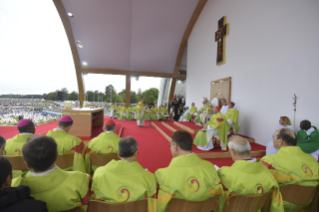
<point>109,95</point>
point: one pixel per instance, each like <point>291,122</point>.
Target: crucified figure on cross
<point>220,39</point>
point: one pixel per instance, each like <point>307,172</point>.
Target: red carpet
<point>154,152</point>
<point>191,125</point>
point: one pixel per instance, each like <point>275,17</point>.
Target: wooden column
<point>171,91</point>
<point>128,90</point>
<point>77,63</point>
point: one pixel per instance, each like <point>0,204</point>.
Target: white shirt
<point>224,109</point>
<point>43,173</point>
<point>309,131</point>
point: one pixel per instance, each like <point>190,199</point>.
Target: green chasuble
<point>104,144</point>
<point>129,113</point>
<point>250,178</point>
<point>232,114</point>
<point>308,144</point>
<point>124,181</point>
<point>70,144</point>
<point>203,109</point>
<point>163,113</point>
<point>115,113</point>
<point>292,166</point>
<point>61,190</point>
<point>190,178</point>
<point>14,148</point>
<point>14,145</point>
<point>153,114</point>
<point>201,136</point>
<point>139,108</point>
<point>191,113</point>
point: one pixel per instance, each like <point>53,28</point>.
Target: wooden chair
<point>301,195</point>
<point>102,160</point>
<point>65,161</point>
<point>17,162</point>
<point>238,203</point>
<point>188,206</point>
<point>78,209</point>
<point>99,206</point>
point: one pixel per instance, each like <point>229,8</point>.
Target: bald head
<point>239,145</point>
<point>284,137</point>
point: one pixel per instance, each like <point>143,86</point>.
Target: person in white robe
<point>284,122</point>
<point>225,107</point>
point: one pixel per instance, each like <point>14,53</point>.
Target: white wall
<point>272,52</point>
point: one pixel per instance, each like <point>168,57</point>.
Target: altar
<point>84,119</point>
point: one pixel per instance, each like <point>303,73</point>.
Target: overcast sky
<point>35,54</point>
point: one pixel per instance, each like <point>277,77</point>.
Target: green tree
<point>73,96</point>
<point>110,93</point>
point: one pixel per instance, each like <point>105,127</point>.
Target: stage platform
<point>153,142</point>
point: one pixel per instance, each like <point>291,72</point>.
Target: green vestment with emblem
<point>190,178</point>
<point>292,166</point>
<point>104,144</point>
<point>70,144</point>
<point>250,178</point>
<point>124,181</point>
<point>60,190</point>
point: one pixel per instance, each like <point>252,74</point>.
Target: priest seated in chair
<point>308,139</point>
<point>203,112</point>
<point>215,127</point>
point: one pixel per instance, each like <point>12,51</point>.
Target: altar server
<point>224,108</point>
<point>61,190</point>
<point>291,165</point>
<point>250,172</point>
<point>69,143</point>
<point>125,180</point>
<point>284,122</point>
<point>106,143</point>
<point>187,177</point>
<point>216,126</point>
<point>15,144</point>
<point>308,139</point>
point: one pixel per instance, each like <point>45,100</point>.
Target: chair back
<point>17,162</point>
<point>102,160</point>
<point>238,203</point>
<point>78,209</point>
<point>65,161</point>
<point>99,206</point>
<point>188,206</point>
<point>301,195</point>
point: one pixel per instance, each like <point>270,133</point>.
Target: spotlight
<point>85,63</point>
<point>70,15</point>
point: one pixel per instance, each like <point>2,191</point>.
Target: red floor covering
<point>191,125</point>
<point>154,152</point>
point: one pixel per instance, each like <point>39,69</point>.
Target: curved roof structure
<point>130,37</point>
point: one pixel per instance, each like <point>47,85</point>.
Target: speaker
<point>20,117</point>
<point>60,96</point>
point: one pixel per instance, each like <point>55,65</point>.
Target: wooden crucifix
<point>220,39</point>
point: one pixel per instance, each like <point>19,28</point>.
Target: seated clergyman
<point>250,172</point>
<point>189,114</point>
<point>202,113</point>
<point>216,126</point>
<point>291,165</point>
<point>125,180</point>
<point>69,143</point>
<point>284,122</point>
<point>308,139</point>
<point>106,143</point>
<point>61,190</point>
<point>14,145</point>
<point>187,177</point>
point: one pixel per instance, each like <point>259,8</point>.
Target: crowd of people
<point>43,186</point>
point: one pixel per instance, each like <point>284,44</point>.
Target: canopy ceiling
<point>134,35</point>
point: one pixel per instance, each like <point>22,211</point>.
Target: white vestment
<point>182,117</point>
<point>270,149</point>
<point>210,133</point>
<point>224,109</point>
